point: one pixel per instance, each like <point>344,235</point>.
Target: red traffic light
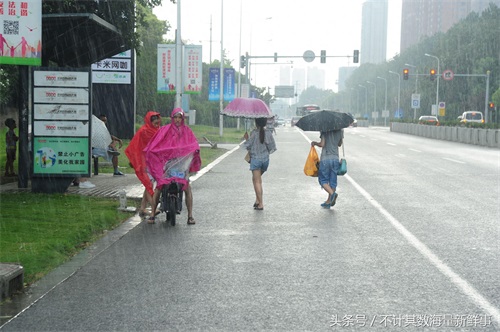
<point>491,105</point>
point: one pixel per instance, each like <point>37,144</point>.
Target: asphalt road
<point>413,243</point>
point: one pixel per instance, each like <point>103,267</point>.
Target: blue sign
<point>213,84</point>
<point>229,92</point>
<point>398,114</point>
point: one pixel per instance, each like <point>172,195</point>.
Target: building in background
<point>344,74</point>
<point>374,31</point>
<point>424,18</point>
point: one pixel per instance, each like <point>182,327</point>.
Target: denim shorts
<point>261,164</point>
<point>327,172</point>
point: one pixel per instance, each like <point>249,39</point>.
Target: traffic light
<point>243,61</point>
<point>491,106</point>
<point>323,56</point>
<point>275,57</point>
<point>355,56</point>
<point>406,73</point>
<point>433,74</point>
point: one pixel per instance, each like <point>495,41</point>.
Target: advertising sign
<point>61,122</point>
<point>21,32</point>
<point>60,155</point>
<point>60,95</point>
<point>213,84</point>
<point>61,112</point>
<point>192,69</point>
<point>114,70</point>
<point>166,68</point>
<point>61,78</point>
<point>229,86</point>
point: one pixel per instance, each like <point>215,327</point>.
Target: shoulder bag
<point>343,163</point>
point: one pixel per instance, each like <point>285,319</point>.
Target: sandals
<point>191,221</point>
<point>151,220</point>
<point>144,213</point>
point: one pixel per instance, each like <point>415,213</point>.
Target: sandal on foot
<point>191,221</point>
<point>144,213</point>
<point>151,220</point>
<point>333,199</point>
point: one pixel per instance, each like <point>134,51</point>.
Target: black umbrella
<point>325,121</point>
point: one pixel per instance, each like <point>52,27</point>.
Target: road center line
<point>459,282</point>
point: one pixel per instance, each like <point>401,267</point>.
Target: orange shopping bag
<point>312,163</point>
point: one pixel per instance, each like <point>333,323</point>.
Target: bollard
<point>123,199</point>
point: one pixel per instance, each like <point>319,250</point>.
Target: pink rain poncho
<point>173,145</point>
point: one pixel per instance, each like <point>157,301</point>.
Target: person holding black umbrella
<point>329,163</point>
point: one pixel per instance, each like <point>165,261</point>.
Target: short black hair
<point>9,122</point>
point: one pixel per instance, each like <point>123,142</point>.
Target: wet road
<point>412,244</point>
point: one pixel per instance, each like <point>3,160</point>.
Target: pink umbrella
<point>247,108</point>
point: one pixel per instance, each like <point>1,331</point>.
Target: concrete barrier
<point>476,136</point>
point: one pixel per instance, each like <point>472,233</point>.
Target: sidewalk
<point>107,185</point>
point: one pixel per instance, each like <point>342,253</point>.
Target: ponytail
<point>261,124</point>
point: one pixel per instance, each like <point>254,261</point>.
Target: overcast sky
<point>268,26</point>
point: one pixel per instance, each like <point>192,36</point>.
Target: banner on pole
<point>192,69</point>
<point>166,69</point>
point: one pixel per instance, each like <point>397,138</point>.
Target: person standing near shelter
<point>137,157</point>
<point>329,163</point>
<point>260,144</point>
<point>10,146</point>
<point>112,148</point>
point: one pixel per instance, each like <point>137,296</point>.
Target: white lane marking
<point>414,150</point>
<point>374,139</point>
<point>455,161</point>
<point>212,164</point>
<point>391,144</point>
<point>462,284</point>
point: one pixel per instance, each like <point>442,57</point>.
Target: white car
<point>472,116</point>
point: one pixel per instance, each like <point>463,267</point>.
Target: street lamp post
<point>374,101</point>
<point>385,102</point>
<point>437,85</point>
<point>399,85</point>
<point>366,97</point>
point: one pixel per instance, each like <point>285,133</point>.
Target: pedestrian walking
<point>329,163</point>
<point>260,144</point>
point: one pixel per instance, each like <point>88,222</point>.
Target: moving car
<point>428,119</point>
<point>472,116</point>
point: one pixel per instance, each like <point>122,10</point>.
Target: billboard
<point>21,32</point>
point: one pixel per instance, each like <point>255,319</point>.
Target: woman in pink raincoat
<point>173,141</point>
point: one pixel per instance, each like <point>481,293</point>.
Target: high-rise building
<point>424,18</point>
<point>374,31</point>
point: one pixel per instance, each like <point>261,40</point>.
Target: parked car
<point>354,123</point>
<point>295,119</point>
<point>472,116</point>
<point>428,119</point>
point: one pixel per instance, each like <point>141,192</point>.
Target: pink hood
<point>171,142</point>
